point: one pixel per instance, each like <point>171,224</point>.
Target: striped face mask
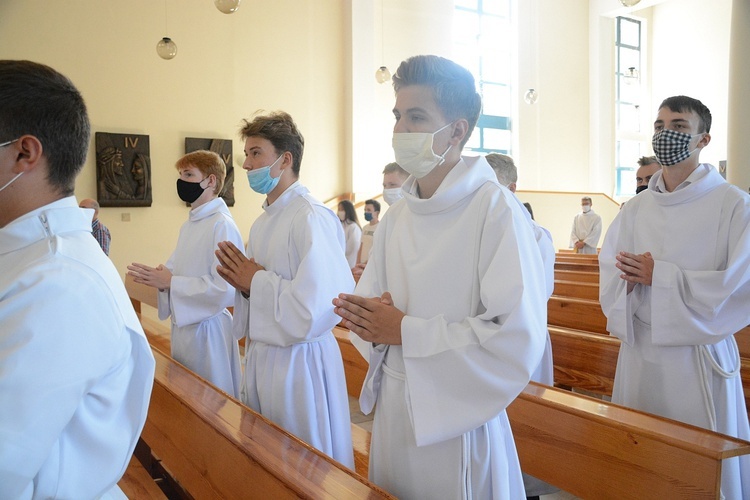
<point>671,147</point>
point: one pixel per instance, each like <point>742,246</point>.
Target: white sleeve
<point>287,311</point>
<point>193,299</point>
<point>461,374</point>
<point>573,236</point>
<point>613,296</point>
<point>705,306</point>
<point>592,239</point>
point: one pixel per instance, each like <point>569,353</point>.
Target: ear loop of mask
<point>11,181</point>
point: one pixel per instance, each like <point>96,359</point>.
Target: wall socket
<point>125,217</point>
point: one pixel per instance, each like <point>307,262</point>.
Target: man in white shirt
<point>451,309</point>
<point>75,368</point>
<point>372,216</point>
<point>587,229</point>
<point>675,288</point>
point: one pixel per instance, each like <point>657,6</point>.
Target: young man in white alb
<point>451,309</point>
<point>675,288</point>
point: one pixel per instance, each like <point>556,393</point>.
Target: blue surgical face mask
<point>368,216</point>
<point>260,179</point>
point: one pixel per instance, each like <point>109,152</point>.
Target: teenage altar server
<point>191,291</point>
<point>295,265</point>
<point>75,368</point>
<point>675,288</point>
<point>451,308</point>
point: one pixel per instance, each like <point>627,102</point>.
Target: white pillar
<point>738,147</point>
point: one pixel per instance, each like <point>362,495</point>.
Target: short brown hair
<point>647,160</point>
<point>279,128</point>
<point>452,85</point>
<point>208,163</point>
<point>395,167</point>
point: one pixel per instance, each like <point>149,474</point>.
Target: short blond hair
<point>208,163</point>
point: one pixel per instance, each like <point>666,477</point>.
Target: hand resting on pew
<point>374,319</point>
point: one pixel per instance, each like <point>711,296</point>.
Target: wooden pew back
<point>584,360</point>
<point>577,266</point>
<point>595,449</point>
<point>217,448</point>
<point>579,314</point>
<point>577,276</point>
<point>576,289</point>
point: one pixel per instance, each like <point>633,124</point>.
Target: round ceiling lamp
<point>382,75</point>
<point>166,48</point>
<point>629,3</point>
<point>227,6</point>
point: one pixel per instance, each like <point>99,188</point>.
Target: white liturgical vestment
<point>75,368</point>
<point>587,227</point>
<point>294,374</point>
<point>678,357</point>
<point>464,267</point>
<point>198,297</point>
<point>353,237</point>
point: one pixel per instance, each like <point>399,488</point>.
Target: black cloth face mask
<point>189,191</point>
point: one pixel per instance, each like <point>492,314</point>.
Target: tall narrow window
<point>629,136</point>
<point>482,43</point>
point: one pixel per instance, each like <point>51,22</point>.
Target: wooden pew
<point>577,257</point>
<point>580,314</point>
<point>576,266</point>
<point>159,337</point>
<point>577,276</point>
<point>137,483</point>
<point>215,447</point>
<point>584,360</point>
<point>578,480</point>
<point>576,289</point>
<point>595,449</point>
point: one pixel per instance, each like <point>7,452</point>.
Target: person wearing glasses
<point>76,370</point>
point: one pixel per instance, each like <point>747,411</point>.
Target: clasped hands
<point>373,319</point>
<point>235,268</point>
<point>636,268</point>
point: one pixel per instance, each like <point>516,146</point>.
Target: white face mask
<point>586,208</point>
<point>392,195</point>
<point>342,215</point>
<point>414,152</point>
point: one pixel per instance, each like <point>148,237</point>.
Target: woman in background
<point>352,230</point>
